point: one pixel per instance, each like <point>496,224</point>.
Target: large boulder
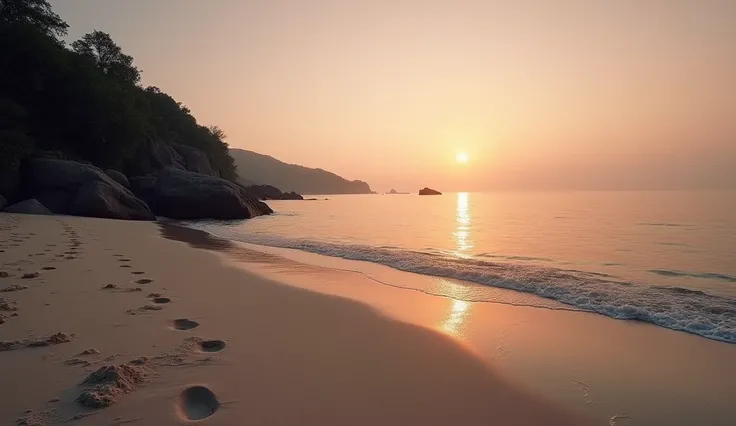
<point>429,191</point>
<point>10,182</point>
<point>154,156</point>
<point>80,189</point>
<point>98,199</point>
<point>31,206</point>
<point>118,177</point>
<point>181,194</point>
<point>194,160</point>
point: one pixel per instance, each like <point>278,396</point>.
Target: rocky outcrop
<point>9,182</point>
<point>153,157</point>
<point>181,194</point>
<point>269,192</point>
<point>118,177</point>
<point>69,187</point>
<point>429,191</point>
<point>291,196</point>
<point>31,206</point>
<point>194,160</point>
<point>98,199</point>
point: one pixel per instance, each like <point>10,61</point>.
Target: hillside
<point>263,169</point>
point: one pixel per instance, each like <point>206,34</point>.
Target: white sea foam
<point>676,308</point>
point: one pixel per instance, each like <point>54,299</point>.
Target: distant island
<point>258,169</point>
<point>429,191</point>
<point>395,192</point>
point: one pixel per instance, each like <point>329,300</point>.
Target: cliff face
<point>263,169</point>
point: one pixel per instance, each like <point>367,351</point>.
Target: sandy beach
<point>131,323</point>
<point>223,345</point>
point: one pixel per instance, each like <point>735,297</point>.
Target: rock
<point>98,199</point>
<point>181,194</point>
<point>118,177</point>
<point>429,191</point>
<point>3,202</point>
<point>9,183</point>
<point>143,186</point>
<point>152,157</point>
<point>265,192</point>
<point>31,206</point>
<point>55,200</point>
<point>194,160</point>
<point>81,189</point>
<point>269,192</point>
<point>291,196</point>
<point>395,192</point>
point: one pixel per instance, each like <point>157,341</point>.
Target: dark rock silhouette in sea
<point>395,192</point>
<point>429,191</point>
<point>270,192</point>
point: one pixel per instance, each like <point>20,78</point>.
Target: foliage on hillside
<point>84,100</point>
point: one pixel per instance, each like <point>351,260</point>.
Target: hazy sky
<point>540,94</point>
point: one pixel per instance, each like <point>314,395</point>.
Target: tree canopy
<point>108,56</point>
<point>36,13</point>
<point>85,102</point>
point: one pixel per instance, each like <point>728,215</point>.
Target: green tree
<point>36,13</point>
<point>99,47</point>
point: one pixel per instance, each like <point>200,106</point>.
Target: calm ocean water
<point>668,258</point>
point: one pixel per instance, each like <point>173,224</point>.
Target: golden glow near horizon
<point>634,95</point>
<point>462,157</point>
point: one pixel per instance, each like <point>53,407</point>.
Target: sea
<point>667,258</point>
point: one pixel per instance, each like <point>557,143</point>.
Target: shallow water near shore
<point>661,257</point>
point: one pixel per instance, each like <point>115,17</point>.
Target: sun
<point>461,157</point>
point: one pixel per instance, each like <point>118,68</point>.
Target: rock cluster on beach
<point>53,186</point>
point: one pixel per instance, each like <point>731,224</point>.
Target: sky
<point>628,94</point>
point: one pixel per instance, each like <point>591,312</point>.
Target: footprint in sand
<point>212,345</point>
<point>137,272</point>
<point>123,260</point>
<point>197,403</point>
<point>161,300</point>
<point>183,324</point>
<point>30,275</point>
<point>125,266</point>
<point>144,281</point>
<point>48,268</point>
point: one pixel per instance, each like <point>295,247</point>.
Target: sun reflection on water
<point>459,310</point>
<point>461,235</point>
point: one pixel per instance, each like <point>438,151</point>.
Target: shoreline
<point>611,370</point>
<point>288,356</point>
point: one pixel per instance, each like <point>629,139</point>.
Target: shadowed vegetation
<point>85,100</point>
